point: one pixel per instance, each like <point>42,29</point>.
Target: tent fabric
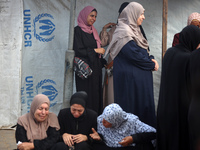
<point>33,61</point>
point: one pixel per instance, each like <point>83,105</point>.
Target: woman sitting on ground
<point>38,129</point>
<point>119,130</point>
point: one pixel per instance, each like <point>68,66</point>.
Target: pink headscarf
<point>192,16</point>
<point>82,22</point>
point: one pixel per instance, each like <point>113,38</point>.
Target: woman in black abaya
<point>175,96</point>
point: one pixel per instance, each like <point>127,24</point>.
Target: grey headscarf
<point>127,30</point>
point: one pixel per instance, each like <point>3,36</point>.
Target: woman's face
<point>91,18</point>
<point>77,110</point>
<point>42,112</point>
<point>140,19</point>
<point>106,124</point>
<point>195,22</point>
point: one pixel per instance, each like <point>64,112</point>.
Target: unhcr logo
<point>28,92</point>
<point>46,87</point>
<point>44,27</point>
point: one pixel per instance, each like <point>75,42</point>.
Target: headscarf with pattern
<point>193,16</point>
<point>123,125</point>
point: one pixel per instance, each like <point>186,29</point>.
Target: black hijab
<point>79,97</point>
<point>123,5</point>
<point>190,37</point>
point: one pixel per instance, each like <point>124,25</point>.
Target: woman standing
<point>132,73</point>
<point>175,92</point>
<point>38,129</point>
<point>106,37</point>
<point>194,109</point>
<point>87,46</point>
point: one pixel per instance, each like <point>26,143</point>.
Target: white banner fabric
<point>10,61</point>
<point>45,39</point>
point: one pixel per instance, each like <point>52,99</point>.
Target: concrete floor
<point>7,139</point>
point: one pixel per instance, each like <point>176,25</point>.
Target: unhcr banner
<point>45,38</point>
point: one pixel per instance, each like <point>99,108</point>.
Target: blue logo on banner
<point>44,27</point>
<point>46,87</point>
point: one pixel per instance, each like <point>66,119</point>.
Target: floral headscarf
<point>123,125</point>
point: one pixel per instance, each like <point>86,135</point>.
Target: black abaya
<point>174,100</point>
<point>175,93</point>
<point>194,110</point>
<point>84,45</point>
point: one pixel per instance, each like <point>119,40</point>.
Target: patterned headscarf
<point>123,125</point>
<point>127,30</point>
<point>34,129</point>
<point>192,16</point>
<point>82,22</point>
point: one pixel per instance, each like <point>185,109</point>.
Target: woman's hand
<point>126,141</point>
<point>25,146</point>
<point>68,139</point>
<point>79,138</point>
<point>95,135</point>
<point>109,25</point>
<point>100,50</point>
<point>156,65</point>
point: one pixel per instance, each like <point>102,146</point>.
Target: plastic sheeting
<point>10,60</point>
<point>34,40</point>
<point>45,38</point>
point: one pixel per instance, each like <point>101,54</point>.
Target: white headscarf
<point>123,124</point>
<point>127,30</point>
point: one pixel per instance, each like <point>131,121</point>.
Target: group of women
<point>80,128</point>
<point>128,50</point>
<point>132,66</point>
<point>129,122</point>
<point>178,106</point>
<point>118,126</point>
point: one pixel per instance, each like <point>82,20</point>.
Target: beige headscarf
<point>37,130</point>
<point>127,30</point>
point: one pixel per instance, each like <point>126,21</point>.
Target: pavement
<point>7,139</point>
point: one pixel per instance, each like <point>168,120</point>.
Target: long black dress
<point>84,45</point>
<point>174,100</point>
<point>175,93</point>
<point>133,82</point>
<point>194,110</point>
